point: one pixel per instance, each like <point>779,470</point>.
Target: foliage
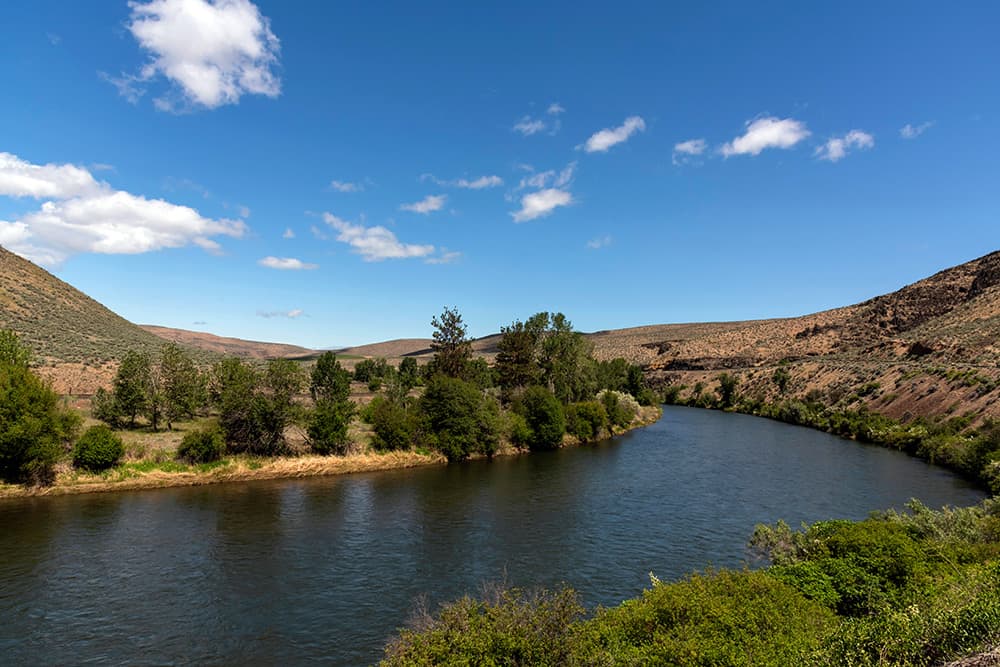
<point>98,449</point>
<point>12,351</point>
<point>781,377</point>
<point>726,390</point>
<point>368,370</point>
<point>452,348</point>
<point>328,425</point>
<point>181,385</point>
<point>544,416</point>
<point>509,627</point>
<point>408,373</point>
<point>132,386</point>
<point>461,421</point>
<point>394,424</point>
<point>202,446</point>
<point>256,408</point>
<point>586,420</point>
<point>33,426</point>
<point>620,407</point>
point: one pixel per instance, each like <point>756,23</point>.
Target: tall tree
<point>330,387</point>
<point>131,385</point>
<point>452,348</point>
<point>181,384</point>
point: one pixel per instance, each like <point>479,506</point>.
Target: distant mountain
<point>249,349</point>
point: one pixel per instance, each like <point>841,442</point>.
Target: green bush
<point>510,627</point>
<point>544,416</point>
<point>586,420</point>
<point>33,427</point>
<point>621,408</point>
<point>328,424</point>
<point>393,425</point>
<point>460,419</point>
<point>98,449</point>
<point>202,446</point>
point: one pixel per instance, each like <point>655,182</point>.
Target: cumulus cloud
<point>84,215</point>
<point>836,148</point>
<point>212,51</point>
<point>686,150</point>
<point>428,204</point>
<point>768,132</point>
<point>345,186</point>
<point>19,178</point>
<point>602,140</point>
<point>542,203</point>
<point>286,264</point>
<point>290,314</point>
<point>913,131</point>
<point>374,244</point>
<point>599,242</point>
<point>528,126</point>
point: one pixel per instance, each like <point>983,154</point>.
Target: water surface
<point>324,570</point>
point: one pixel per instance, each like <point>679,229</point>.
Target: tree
<point>275,405</point>
<point>544,416</point>
<point>408,373</point>
<point>726,390</point>
<point>781,377</point>
<point>461,420</point>
<point>394,425</point>
<point>330,387</point>
<point>33,427</point>
<point>452,348</point>
<point>12,351</point>
<point>517,357</point>
<point>586,420</point>
<point>131,385</point>
<point>234,391</point>
<point>180,383</point>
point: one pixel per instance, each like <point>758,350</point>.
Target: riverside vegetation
<point>544,389</point>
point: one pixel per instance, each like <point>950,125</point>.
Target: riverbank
<point>153,474</point>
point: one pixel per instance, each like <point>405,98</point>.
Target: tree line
<point>544,384</point>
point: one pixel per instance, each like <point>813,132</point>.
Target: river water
<point>324,570</point>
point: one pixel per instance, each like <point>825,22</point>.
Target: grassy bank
<point>152,464</point>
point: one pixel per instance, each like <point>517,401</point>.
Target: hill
<point>249,349</point>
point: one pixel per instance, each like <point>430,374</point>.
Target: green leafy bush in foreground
<point>98,449</point>
<point>919,588</point>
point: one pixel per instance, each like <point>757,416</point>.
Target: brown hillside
<point>249,349</point>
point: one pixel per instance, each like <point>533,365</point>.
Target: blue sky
<point>336,173</point>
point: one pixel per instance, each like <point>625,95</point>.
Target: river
<point>324,570</point>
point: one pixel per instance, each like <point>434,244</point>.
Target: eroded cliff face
<point>930,348</point>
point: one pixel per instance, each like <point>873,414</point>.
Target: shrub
<point>460,418</point>
<point>544,416</point>
<point>620,407</point>
<point>98,449</point>
<point>393,425</point>
<point>202,446</point>
<point>33,427</point>
<point>586,420</point>
<point>328,426</point>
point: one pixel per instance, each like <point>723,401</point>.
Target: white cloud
<point>686,150</point>
<point>444,258</point>
<point>528,126</point>
<point>375,244</point>
<point>289,234</point>
<point>290,314</point>
<point>48,181</point>
<point>213,51</point>
<point>836,148</point>
<point>602,140</point>
<point>344,186</point>
<point>600,242</point>
<point>555,109</point>
<point>286,264</point>
<point>84,215</point>
<point>428,204</point>
<point>542,203</point>
<point>541,179</point>
<point>913,131</point>
<point>763,133</point>
<point>481,183</point>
